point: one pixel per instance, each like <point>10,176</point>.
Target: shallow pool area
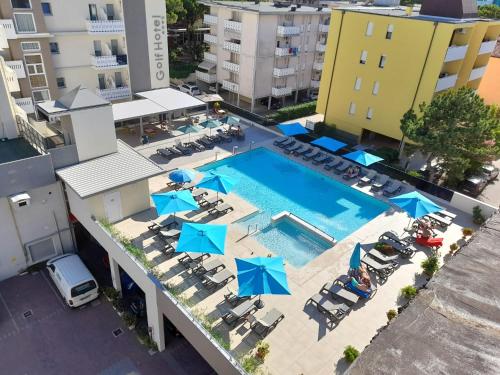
<point>273,183</point>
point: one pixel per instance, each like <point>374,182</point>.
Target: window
<point>83,288</point>
<point>369,29</point>
<point>41,95</point>
<point>54,47</point>
<point>352,108</point>
<point>30,46</point>
<point>369,113</point>
<point>61,82</point>
<point>21,4</point>
<point>390,30</point>
<point>46,9</point>
<point>36,72</point>
<point>364,56</point>
<point>357,84</point>
<point>381,63</point>
<point>110,12</point>
<point>25,23</point>
<point>376,86</point>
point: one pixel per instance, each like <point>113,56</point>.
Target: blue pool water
<point>273,184</point>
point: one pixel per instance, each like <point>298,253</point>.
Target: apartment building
<point>263,50</point>
<point>113,47</point>
<point>380,62</point>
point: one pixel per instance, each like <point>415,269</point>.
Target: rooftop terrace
<point>16,149</point>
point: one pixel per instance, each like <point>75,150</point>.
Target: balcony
<point>105,26</point>
<point>209,19</point>
<point>455,53</point>
<point>283,72</point>
<point>487,46</point>
<point>286,51</point>
<point>109,62</point>
<point>11,78</point>
<point>318,66</point>
<point>230,86</point>
<point>115,93</point>
<point>288,30</point>
<point>212,57</point>
<point>232,47</point>
<point>477,73</point>
<point>230,66</point>
<point>446,82</point>
<point>18,67</point>
<point>26,104</point>
<point>209,38</point>
<point>322,28</point>
<point>232,26</point>
<point>281,91</point>
<point>206,77</point>
<point>321,47</point>
<point>8,27</point>
<point>315,83</point>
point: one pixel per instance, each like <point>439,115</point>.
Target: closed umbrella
<point>362,157</point>
<point>292,129</point>
<point>173,202</point>
<point>217,182</point>
<point>182,175</point>
<point>202,238</point>
<point>355,261</point>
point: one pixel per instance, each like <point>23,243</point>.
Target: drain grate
<point>28,314</point>
<point>117,332</point>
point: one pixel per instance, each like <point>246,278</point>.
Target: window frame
<point>29,1</point>
<point>369,28</point>
<point>43,10</point>
<point>369,113</point>
<point>389,32</point>
<point>32,17</point>
<point>36,72</point>
<point>382,61</point>
<point>40,90</point>
<point>375,88</point>
<point>352,108</point>
<point>357,83</point>
<point>63,86</point>
<point>365,54</point>
<point>31,50</point>
<point>57,51</point>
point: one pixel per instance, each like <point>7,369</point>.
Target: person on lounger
<point>352,172</point>
<point>425,229</point>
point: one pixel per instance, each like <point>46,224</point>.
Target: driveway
<point>39,334</point>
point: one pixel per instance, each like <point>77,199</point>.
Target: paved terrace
<point>304,342</point>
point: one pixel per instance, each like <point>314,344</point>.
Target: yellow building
<point>380,62</point>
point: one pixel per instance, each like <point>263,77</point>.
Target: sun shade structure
<point>136,108</point>
<point>231,120</point>
<point>329,143</point>
<point>362,157</point>
<point>171,100</point>
<point>182,175</point>
<point>217,182</point>
<point>355,261</point>
<point>211,123</point>
<point>415,204</point>
<point>173,202</point>
<point>202,238</point>
<point>292,129</point>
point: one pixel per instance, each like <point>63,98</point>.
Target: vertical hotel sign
<point>156,23</point>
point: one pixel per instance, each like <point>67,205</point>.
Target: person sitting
<point>360,286</point>
<point>351,173</point>
<point>425,229</point>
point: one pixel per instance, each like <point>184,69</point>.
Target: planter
<point>132,327</point>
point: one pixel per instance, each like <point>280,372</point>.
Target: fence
<point>40,142</point>
<point>248,115</point>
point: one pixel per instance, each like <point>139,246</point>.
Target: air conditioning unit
<point>20,200</point>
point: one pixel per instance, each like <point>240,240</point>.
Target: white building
<point>263,50</point>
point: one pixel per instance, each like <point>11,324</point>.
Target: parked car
<point>190,89</point>
<point>275,103</point>
<point>490,172</point>
<point>313,96</point>
<point>474,185</point>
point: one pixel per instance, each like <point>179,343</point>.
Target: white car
<point>190,89</point>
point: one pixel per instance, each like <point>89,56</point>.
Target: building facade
<point>261,50</point>
<point>382,62</point>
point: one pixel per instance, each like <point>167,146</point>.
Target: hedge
<point>294,111</point>
<point>181,70</point>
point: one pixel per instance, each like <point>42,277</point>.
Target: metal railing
<point>40,142</point>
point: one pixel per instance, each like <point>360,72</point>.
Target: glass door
<point>93,12</point>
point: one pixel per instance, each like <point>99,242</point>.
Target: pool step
<point>304,224</point>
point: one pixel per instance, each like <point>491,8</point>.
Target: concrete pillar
<point>269,102</point>
<point>155,319</point>
<point>115,274</point>
<point>252,105</point>
<point>140,126</point>
<point>238,100</point>
<point>296,95</point>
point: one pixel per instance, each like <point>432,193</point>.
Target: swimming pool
<point>274,183</point>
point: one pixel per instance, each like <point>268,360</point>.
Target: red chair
<point>429,241</point>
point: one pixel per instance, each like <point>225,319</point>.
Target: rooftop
<point>16,149</point>
<point>265,8</point>
<point>452,326</point>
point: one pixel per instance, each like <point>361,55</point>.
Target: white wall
<point>466,204</point>
<point>8,127</point>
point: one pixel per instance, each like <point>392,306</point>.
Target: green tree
<point>489,11</point>
<point>458,129</point>
<point>175,11</point>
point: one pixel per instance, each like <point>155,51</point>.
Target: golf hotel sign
<point>156,22</point>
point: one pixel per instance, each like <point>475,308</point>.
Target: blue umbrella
<point>292,129</point>
<point>261,275</point>
<point>415,204</point>
<point>231,120</point>
<point>189,128</point>
<point>211,123</point>
<point>217,182</point>
<point>174,201</point>
<point>182,175</point>
<point>202,238</point>
<point>362,157</point>
<point>329,143</point>
<point>355,261</point>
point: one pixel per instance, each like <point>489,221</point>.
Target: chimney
<point>449,8</point>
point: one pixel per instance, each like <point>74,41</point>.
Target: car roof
<point>72,269</point>
<point>475,179</point>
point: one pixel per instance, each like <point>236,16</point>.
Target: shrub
<point>477,216</point>
<point>250,363</point>
<point>111,293</point>
<point>467,232</point>
<point>181,70</point>
<point>430,265</point>
<point>414,174</point>
<point>350,353</point>
<point>453,247</point>
<point>389,155</point>
<point>391,314</point>
<point>129,319</point>
<point>294,111</point>
<point>262,350</point>
<point>409,291</point>
<point>119,304</point>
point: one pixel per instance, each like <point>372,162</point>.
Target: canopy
<point>135,109</point>
<point>217,182</point>
<point>329,143</point>
<point>182,175</point>
<point>415,204</point>
<point>355,261</point>
<point>171,100</point>
<point>189,128</point>
<point>292,129</point>
<point>231,120</point>
<point>362,157</point>
<point>202,238</point>
<point>211,123</point>
<point>174,201</point>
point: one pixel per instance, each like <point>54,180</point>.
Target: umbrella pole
<point>259,304</point>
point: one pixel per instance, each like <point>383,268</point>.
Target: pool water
<point>274,183</point>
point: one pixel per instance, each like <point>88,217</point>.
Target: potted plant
<point>350,353</point>
<point>391,314</point>
<point>110,293</point>
<point>130,320</point>
<point>467,232</point>
<point>262,350</point>
<point>477,216</point>
<point>453,248</point>
<point>119,305</point>
<point>430,265</point>
<point>409,292</point>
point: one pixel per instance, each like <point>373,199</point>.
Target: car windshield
<point>83,288</point>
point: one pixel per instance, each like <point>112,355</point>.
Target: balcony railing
<point>108,62</point>
<point>288,30</point>
<point>315,83</point>
<point>318,66</point>
<point>11,78</point>
<point>232,67</point>
<point>209,19</point>
<point>232,25</point>
<point>230,86</point>
<point>287,51</point>
<point>322,28</point>
<point>320,47</point>
<point>212,57</point>
<point>115,93</point>
<point>283,72</point>
<point>281,91</point>
<point>206,77</point>
<point>477,73</point>
<point>105,26</point>
<point>455,53</point>
<point>26,105</point>
<point>8,27</point>
<point>209,38</point>
<point>487,47</point>
<point>18,67</point>
<point>446,82</point>
<point>233,47</point>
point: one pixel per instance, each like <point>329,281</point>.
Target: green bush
<point>250,363</point>
<point>453,247</point>
<point>409,291</point>
<point>430,265</point>
<point>414,174</point>
<point>350,353</point>
<point>389,155</point>
<point>129,319</point>
<point>477,216</point>
<point>294,111</point>
<point>391,314</point>
<point>181,70</point>
<point>327,130</point>
<point>111,293</point>
<point>467,232</point>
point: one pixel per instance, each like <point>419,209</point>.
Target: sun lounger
<point>225,138</point>
<point>302,150</point>
<point>185,150</point>
<point>340,293</point>
<point>166,234</point>
<point>169,248</point>
<point>267,323</point>
<point>233,316</point>
<point>334,163</point>
<point>351,173</point>
<point>381,257</point>
<point>292,148</point>
<point>393,188</point>
<point>218,279</point>
<point>443,222</point>
<point>196,146</point>
<point>192,257</point>
<point>206,268</point>
<point>404,247</point>
<point>232,297</point>
<point>205,142</point>
<point>380,182</point>
<point>333,310</point>
<point>164,221</point>
<point>199,193</point>
<point>210,201</point>
<point>345,282</point>
<point>448,214</point>
<point>311,154</point>
<point>286,143</point>
<point>382,270</point>
<point>280,140</point>
<point>342,167</point>
<point>165,152</point>
<point>220,209</point>
<point>367,178</point>
<point>322,159</point>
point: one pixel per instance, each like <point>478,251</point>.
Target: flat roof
<point>171,99</point>
<point>268,8</point>
<point>108,172</point>
<point>135,109</point>
<point>16,149</point>
<point>452,326</point>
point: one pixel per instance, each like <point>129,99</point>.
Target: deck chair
<point>164,221</point>
<point>333,310</point>
<point>286,143</point>
<point>232,297</point>
<point>292,148</point>
<point>393,188</point>
<point>169,248</point>
<point>207,268</point>
<point>402,246</point>
<point>267,323</point>
<point>199,193</point>
<point>210,201</point>
<point>443,222</point>
<point>233,316</point>
<point>381,257</point>
<point>334,163</point>
<point>205,142</point>
<point>345,282</point>
<point>367,178</point>
<point>220,209</point>
<point>302,150</point>
<point>280,140</point>
<point>380,182</point>
<point>322,159</point>
<point>165,152</point>
<point>341,168</point>
<point>218,279</point>
<point>311,154</point>
<point>341,294</point>
<point>192,258</point>
<point>382,270</point>
<point>448,214</point>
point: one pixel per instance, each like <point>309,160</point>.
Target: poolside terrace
<point>304,342</point>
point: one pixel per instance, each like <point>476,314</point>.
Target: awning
<point>136,109</point>
<point>207,65</point>
<point>171,100</point>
